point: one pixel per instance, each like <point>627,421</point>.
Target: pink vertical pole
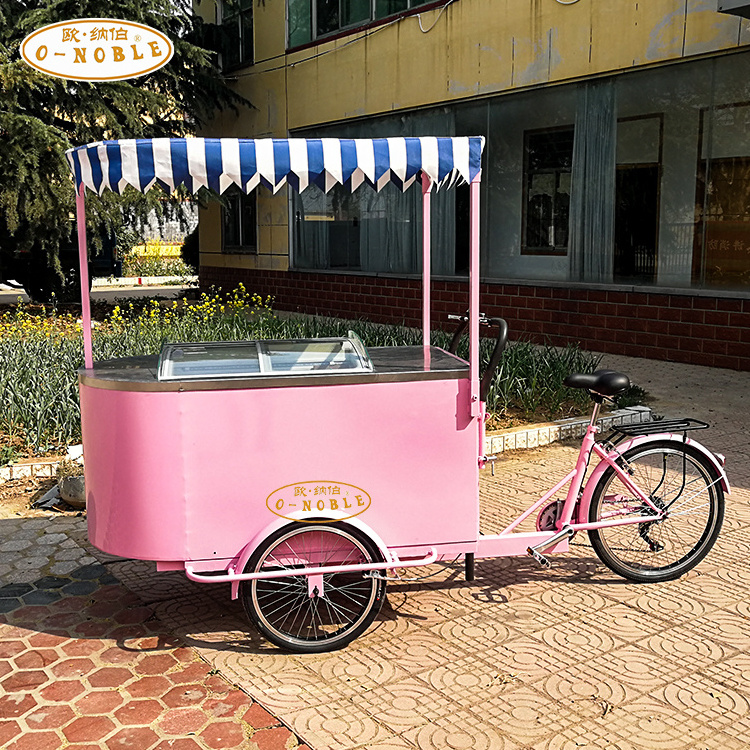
<point>83,261</point>
<point>426,254</point>
<point>474,301</point>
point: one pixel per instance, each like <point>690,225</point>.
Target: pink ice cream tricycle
<point>190,460</point>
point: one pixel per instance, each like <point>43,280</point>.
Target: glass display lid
<point>249,359</point>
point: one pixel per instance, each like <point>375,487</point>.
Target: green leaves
<point>39,357</point>
<point>41,117</point>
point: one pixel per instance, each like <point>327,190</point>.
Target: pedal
<point>536,551</point>
<point>539,557</point>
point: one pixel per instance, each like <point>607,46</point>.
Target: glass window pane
<point>247,36</point>
<point>354,12</point>
<point>232,222</point>
<point>385,8</point>
<point>300,22</point>
<point>249,222</point>
<point>231,51</point>
<point>328,16</point>
<point>301,356</point>
<point>208,360</point>
<point>550,150</point>
<point>539,210</point>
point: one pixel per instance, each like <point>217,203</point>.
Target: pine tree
<point>41,117</point>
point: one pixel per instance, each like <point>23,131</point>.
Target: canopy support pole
<point>83,262</point>
<point>474,300</point>
<point>426,255</point>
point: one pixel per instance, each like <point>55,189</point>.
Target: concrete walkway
<point>573,657</point>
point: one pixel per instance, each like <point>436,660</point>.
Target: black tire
<point>282,610</point>
<point>676,477</point>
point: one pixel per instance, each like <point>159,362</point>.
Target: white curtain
<point>370,231</point>
<point>592,204</point>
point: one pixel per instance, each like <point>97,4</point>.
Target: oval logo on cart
<point>96,49</point>
<point>305,501</point>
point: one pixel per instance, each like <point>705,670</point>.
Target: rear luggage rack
<point>661,425</point>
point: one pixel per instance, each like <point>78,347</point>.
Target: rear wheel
<point>679,480</point>
<point>294,617</point>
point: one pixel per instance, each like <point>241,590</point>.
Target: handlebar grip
<point>460,331</point>
<point>497,353</point>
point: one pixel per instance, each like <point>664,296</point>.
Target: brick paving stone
<point>15,704</point>
<point>156,664</point>
<point>185,695</point>
<point>109,677</point>
<point>226,704</point>
<point>36,741</point>
<point>78,667</point>
<point>258,717</point>
<point>132,738</point>
<point>184,743</point>
<point>192,673</point>
<point>148,686</point>
<point>42,640</point>
<point>139,712</point>
<point>37,659</point>
<point>271,739</point>
<point>81,648</point>
<point>24,680</point>
<point>98,703</point>
<point>182,721</point>
<point>223,734</point>
<point>64,690</point>
<point>49,717</point>
<point>88,729</point>
<point>8,730</point>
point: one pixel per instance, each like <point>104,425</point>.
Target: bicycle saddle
<point>601,382</point>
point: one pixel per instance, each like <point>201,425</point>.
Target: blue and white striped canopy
<point>218,163</point>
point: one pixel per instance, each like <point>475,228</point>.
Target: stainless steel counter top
<point>392,364</point>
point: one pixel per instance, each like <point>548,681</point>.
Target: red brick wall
<point>701,330</point>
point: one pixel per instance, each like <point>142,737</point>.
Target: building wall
<point>701,330</point>
<point>473,48</point>
<point>472,51</point>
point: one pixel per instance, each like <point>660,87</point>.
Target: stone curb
<point>494,443</point>
<point>538,435</point>
<point>44,469</point>
<point>143,281</point>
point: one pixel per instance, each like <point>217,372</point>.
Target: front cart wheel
<point>292,612</point>
<point>679,480</point>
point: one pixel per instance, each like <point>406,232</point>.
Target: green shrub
<point>40,354</point>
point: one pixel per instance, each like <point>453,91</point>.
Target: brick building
<point>616,185</point>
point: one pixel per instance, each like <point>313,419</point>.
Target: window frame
<point>244,9</point>
<point>343,31</point>
<point>549,251</point>
<point>244,201</point>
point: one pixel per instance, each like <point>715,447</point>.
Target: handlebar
<point>497,352</point>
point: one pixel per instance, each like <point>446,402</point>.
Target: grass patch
<point>41,350</point>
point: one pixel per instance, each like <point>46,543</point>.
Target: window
<point>637,199</point>
<point>313,19</point>
<point>237,23</point>
<point>239,214</point>
<point>548,156</point>
<point>721,254</point>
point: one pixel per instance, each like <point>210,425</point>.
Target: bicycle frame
<point>574,515</point>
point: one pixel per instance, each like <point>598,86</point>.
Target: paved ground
<point>521,658</point>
